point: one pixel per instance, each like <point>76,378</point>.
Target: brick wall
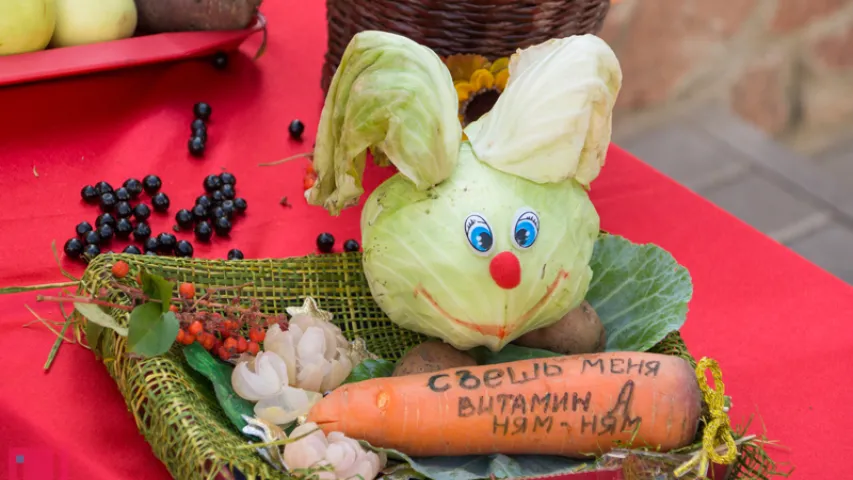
<point>784,65</point>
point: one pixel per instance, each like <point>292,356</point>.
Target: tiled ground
<point>805,203</point>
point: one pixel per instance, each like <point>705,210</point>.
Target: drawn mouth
<point>502,331</point>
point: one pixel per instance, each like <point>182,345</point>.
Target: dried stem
<point>48,298</point>
<point>283,160</point>
<point>60,334</point>
<point>45,286</point>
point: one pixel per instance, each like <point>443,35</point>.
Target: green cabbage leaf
<point>396,98</point>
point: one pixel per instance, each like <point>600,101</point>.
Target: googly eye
<point>526,228</point>
<point>479,233</point>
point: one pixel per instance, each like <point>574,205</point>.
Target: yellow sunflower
<point>478,81</point>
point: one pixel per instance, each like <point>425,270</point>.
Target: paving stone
<point>838,163</point>
<point>796,173</point>
<point>765,205</point>
<point>687,155</point>
<point>831,248</point>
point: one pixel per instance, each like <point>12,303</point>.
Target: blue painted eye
<point>526,228</point>
<point>479,233</point>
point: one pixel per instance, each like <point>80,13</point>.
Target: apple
<point>80,22</point>
<point>25,25</point>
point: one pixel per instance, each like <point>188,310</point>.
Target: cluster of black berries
<point>326,243</point>
<point>198,129</point>
<point>215,210</point>
<point>121,219</point>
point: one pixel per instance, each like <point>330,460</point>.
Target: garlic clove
<point>286,406</point>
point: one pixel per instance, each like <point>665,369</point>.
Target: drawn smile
<point>503,331</point>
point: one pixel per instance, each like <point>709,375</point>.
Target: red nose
<point>505,270</point>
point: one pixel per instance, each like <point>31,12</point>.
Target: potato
<point>432,356</point>
<point>579,331</point>
<point>158,16</point>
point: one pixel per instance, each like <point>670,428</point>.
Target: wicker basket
<point>492,28</point>
<point>175,408</point>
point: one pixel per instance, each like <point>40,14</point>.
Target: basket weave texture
<point>175,408</point>
<point>492,28</point>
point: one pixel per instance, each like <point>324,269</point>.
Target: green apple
<point>26,25</point>
<point>80,22</point>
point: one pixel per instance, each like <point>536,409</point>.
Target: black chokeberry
<point>108,201</point>
<point>217,197</point>
<point>132,249</point>
<point>141,212</point>
<point>123,210</point>
<point>222,226</point>
<point>351,245</point>
<point>73,248</point>
<point>240,205</point>
<point>296,129</point>
<point>199,213</point>
<point>123,228</point>
<point>325,242</point>
<point>235,254</point>
<point>200,133</point>
<point>217,212</point>
<point>105,219</point>
<point>89,194</point>
<point>183,249</point>
<point>92,237</point>
<point>220,60</point>
<point>106,233</point>
<point>151,184</point>
<point>151,244</point>
<point>228,192</point>
<point>92,250</point>
<point>228,206</point>
<point>103,187</point>
<point>122,194</point>
<point>202,110</point>
<point>211,183</point>
<point>196,146</point>
<point>141,232</point>
<point>160,202</point>
<point>83,228</point>
<point>197,124</point>
<point>227,178</point>
<point>167,242</point>
<point>133,186</point>
<point>203,232</point>
<point>204,201</point>
<point>184,219</point>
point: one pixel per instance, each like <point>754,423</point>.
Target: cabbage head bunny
<point>479,239</point>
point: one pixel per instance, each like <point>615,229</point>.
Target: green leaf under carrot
<point>370,369</point>
<point>219,374</point>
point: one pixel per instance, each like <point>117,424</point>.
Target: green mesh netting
<point>175,408</point>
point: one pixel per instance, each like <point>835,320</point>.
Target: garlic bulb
<point>342,457</point>
<point>264,379</point>
<point>314,349</point>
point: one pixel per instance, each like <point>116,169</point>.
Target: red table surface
<point>779,326</point>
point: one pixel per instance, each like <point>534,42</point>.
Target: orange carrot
<point>571,406</point>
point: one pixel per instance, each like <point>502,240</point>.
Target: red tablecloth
<point>779,326</point>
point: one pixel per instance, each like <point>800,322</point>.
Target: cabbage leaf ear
<point>396,98</point>
<point>553,120</point>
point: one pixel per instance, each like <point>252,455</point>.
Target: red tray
<point>129,52</point>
